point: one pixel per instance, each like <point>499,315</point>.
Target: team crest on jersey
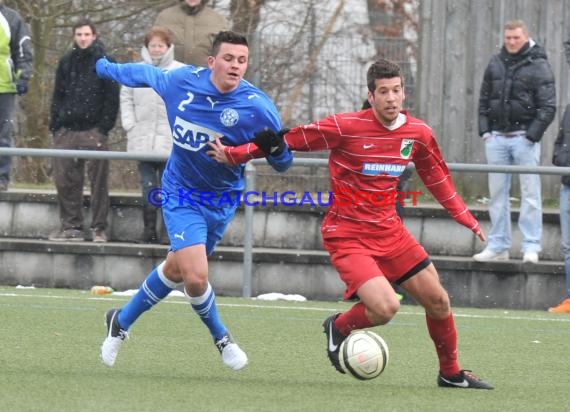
<point>229,117</point>
<point>376,169</point>
<point>191,136</point>
<point>406,148</point>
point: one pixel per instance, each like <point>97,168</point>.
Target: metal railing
<point>250,174</point>
<point>153,157</point>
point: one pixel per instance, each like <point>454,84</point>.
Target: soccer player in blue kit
<point>200,194</point>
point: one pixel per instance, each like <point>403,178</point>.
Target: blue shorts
<point>190,225</point>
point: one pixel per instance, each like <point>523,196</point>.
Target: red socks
<point>444,336</point>
<point>354,318</point>
<point>442,332</point>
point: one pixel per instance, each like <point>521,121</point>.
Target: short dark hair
<point>382,69</point>
<point>365,105</point>
<point>227,37</point>
<point>84,22</point>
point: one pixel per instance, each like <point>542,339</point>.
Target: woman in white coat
<point>143,116</point>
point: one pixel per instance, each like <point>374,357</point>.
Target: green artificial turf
<point>49,359</point>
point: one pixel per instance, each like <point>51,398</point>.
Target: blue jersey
<point>198,113</point>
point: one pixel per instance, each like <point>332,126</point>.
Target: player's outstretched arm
<point>265,145</point>
<point>129,74</point>
<point>432,169</point>
<point>235,155</point>
<point>439,183</point>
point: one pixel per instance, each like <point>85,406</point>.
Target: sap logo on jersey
<point>375,169</point>
<point>190,136</point>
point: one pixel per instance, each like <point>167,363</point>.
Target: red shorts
<point>360,259</point>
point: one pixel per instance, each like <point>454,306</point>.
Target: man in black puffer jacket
<point>516,105</point>
<point>83,111</point>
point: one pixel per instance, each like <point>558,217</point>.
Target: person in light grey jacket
<point>143,116</point>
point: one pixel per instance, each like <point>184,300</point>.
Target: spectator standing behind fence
<point>15,72</point>
<point>561,157</point>
<point>143,116</point>
<point>83,111</point>
<point>516,105</point>
<point>193,26</point>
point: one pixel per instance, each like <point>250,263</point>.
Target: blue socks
<point>154,288</point>
<point>205,307</point>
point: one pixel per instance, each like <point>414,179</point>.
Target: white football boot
<point>114,340</point>
<point>232,355</point>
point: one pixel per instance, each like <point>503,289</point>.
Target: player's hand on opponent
<point>218,153</point>
<point>271,142</point>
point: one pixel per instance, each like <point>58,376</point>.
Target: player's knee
<point>196,283</point>
<point>171,271</point>
<point>382,312</point>
<point>439,306</point>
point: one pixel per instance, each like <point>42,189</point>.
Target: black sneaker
<point>334,339</point>
<point>115,337</point>
<point>464,379</point>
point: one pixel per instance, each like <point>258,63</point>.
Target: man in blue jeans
<point>516,105</point>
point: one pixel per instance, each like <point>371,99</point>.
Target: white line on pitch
<point>176,300</point>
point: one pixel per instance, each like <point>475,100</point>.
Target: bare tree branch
<point>310,67</point>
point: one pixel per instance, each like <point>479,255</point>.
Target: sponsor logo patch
<point>190,136</point>
<point>375,169</point>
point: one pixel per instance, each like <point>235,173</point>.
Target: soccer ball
<point>363,354</point>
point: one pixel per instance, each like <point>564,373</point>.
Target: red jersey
<point>365,162</point>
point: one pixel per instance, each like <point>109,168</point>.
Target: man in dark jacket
<point>83,111</point>
<point>15,72</point>
<point>516,105</point>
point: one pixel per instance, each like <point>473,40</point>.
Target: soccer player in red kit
<point>368,244</point>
